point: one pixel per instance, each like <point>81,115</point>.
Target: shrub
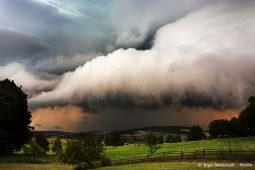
<point>83,150</point>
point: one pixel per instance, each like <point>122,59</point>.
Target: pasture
<point>131,150</point>
<point>20,162</point>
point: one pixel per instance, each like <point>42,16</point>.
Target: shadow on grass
<point>28,159</point>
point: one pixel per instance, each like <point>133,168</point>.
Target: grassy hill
<point>157,129</point>
<point>132,150</point>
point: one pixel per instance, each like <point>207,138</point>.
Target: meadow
<point>131,150</point>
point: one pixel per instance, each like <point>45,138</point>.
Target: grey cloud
<point>16,45</point>
<point>32,81</point>
<point>76,31</point>
<point>192,63</point>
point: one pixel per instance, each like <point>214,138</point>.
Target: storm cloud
<point>197,61</point>
<point>17,45</point>
<point>129,63</point>
<point>75,32</point>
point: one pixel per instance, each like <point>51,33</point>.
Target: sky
<point>116,64</point>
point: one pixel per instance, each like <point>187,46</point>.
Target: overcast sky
<point>104,65</point>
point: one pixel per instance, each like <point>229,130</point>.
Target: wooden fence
<point>209,154</point>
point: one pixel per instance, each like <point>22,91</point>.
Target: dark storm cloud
<point>188,55</point>
<point>77,31</point>
<point>192,63</point>
<point>17,45</point>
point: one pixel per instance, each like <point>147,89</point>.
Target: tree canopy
<point>196,133</point>
<point>152,142</point>
<point>113,139</point>
<point>42,141</point>
<point>242,126</point>
<point>247,118</point>
<point>86,149</point>
<point>14,117</point>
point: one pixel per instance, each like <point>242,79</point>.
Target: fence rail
<point>191,155</point>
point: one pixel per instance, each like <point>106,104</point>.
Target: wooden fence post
<point>163,154</point>
<point>194,154</point>
<point>182,155</point>
<point>203,153</point>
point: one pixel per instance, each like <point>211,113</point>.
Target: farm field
<point>140,166</point>
<point>128,151</point>
<point>35,166</point>
<point>131,150</point>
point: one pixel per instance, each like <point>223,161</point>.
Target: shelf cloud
<point>166,62</point>
<point>197,61</point>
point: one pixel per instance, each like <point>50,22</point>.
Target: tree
<point>151,141</point>
<point>14,118</point>
<point>176,138</point>
<point>196,133</point>
<point>57,146</point>
<point>223,128</point>
<point>33,148</point>
<point>113,139</point>
<point>169,138</point>
<point>87,149</point>
<point>247,118</point>
<point>124,139</point>
<point>134,139</point>
<point>42,141</point>
<point>161,139</point>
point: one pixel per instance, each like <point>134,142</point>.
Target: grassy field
<point>172,166</point>
<point>131,150</point>
<point>140,166</point>
<point>35,166</point>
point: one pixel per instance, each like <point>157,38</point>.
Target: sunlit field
<point>131,150</point>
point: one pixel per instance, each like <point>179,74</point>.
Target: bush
<point>83,150</point>
<point>42,141</point>
<point>57,146</point>
<point>33,149</point>
<point>106,161</point>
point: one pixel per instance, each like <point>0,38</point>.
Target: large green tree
<point>113,139</point>
<point>196,133</point>
<point>152,142</point>
<point>247,118</point>
<point>223,128</point>
<point>14,117</point>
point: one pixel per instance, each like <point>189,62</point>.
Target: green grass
<point>35,166</point>
<point>170,166</point>
<point>20,162</point>
<point>129,151</point>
